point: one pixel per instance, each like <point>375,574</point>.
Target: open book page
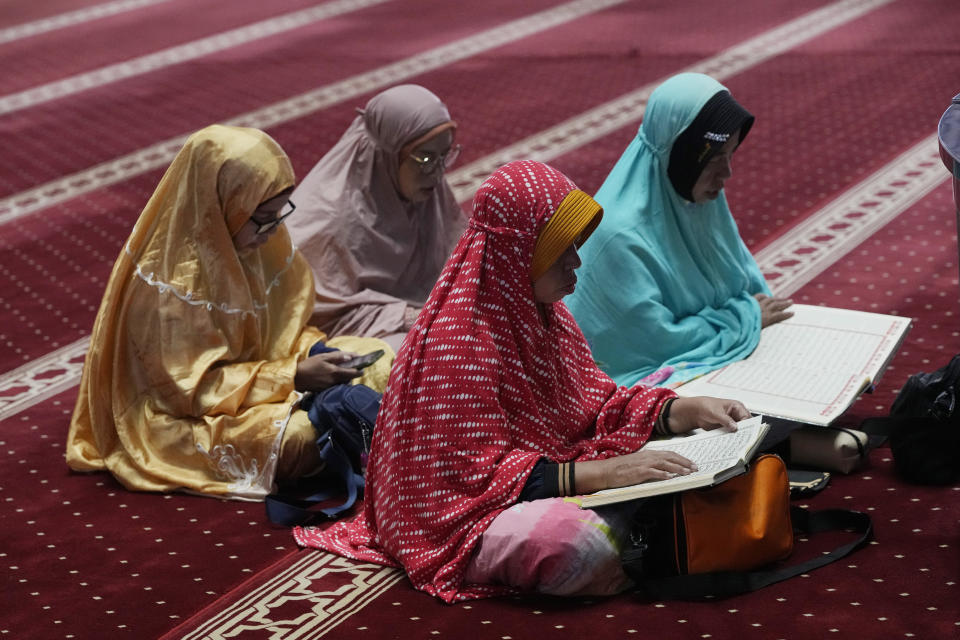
<point>811,367</point>
<point>718,454</point>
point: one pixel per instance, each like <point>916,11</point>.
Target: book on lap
<point>719,455</point>
<point>811,367</point>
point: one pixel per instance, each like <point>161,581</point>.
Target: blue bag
<point>344,416</point>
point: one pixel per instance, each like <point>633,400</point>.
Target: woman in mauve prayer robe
<point>495,385</point>
<point>376,218</point>
<point>199,352</point>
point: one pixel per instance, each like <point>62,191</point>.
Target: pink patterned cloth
<point>484,386</point>
<point>553,546</point>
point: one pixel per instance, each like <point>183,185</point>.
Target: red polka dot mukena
<point>483,387</point>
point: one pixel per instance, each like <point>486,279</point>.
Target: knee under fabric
<point>552,546</point>
<point>298,455</point>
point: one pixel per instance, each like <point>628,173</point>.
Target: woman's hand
<point>707,413</point>
<point>410,317</point>
<point>643,465</point>
<point>773,310</point>
<point>633,468</point>
<point>322,370</point>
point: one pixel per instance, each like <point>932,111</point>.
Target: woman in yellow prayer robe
<point>199,352</point>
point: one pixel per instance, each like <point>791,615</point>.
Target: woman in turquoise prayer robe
<point>668,290</point>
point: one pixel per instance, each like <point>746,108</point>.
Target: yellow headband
<point>576,217</point>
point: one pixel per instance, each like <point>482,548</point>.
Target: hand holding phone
<point>364,361</point>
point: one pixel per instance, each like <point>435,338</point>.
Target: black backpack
<point>924,427</point>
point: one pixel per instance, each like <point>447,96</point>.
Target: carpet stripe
<point>72,18</point>
<point>42,378</point>
<point>607,118</point>
<point>820,240</point>
<point>177,55</point>
<point>159,155</point>
<point>322,610</point>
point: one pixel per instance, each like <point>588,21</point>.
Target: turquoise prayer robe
<point>665,282</point>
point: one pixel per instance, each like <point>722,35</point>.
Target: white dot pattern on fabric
<point>483,388</point>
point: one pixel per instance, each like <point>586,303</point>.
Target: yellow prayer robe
<point>189,381</point>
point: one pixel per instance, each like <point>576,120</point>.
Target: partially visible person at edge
<point>692,298</point>
<point>495,408</point>
<point>376,217</point>
<point>199,351</point>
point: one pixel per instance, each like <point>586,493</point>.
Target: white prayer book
<point>719,455</point>
<point>811,367</point>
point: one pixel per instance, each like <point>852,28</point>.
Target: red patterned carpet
<point>839,191</point>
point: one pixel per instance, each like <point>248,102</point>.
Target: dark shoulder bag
<point>924,427</point>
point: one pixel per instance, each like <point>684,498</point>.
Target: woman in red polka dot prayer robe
<point>495,410</point>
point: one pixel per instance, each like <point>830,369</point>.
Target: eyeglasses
<point>429,162</point>
<point>267,227</point>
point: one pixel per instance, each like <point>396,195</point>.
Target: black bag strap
<point>883,427</point>
<point>728,583</point>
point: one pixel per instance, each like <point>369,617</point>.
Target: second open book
<point>809,368</point>
<point>719,455</point>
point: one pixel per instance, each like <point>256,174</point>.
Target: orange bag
<point>721,540</point>
<point>739,525</point>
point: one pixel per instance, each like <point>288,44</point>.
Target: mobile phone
<point>364,361</point>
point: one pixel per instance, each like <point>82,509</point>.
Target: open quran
<point>811,367</point>
<point>719,455</point>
